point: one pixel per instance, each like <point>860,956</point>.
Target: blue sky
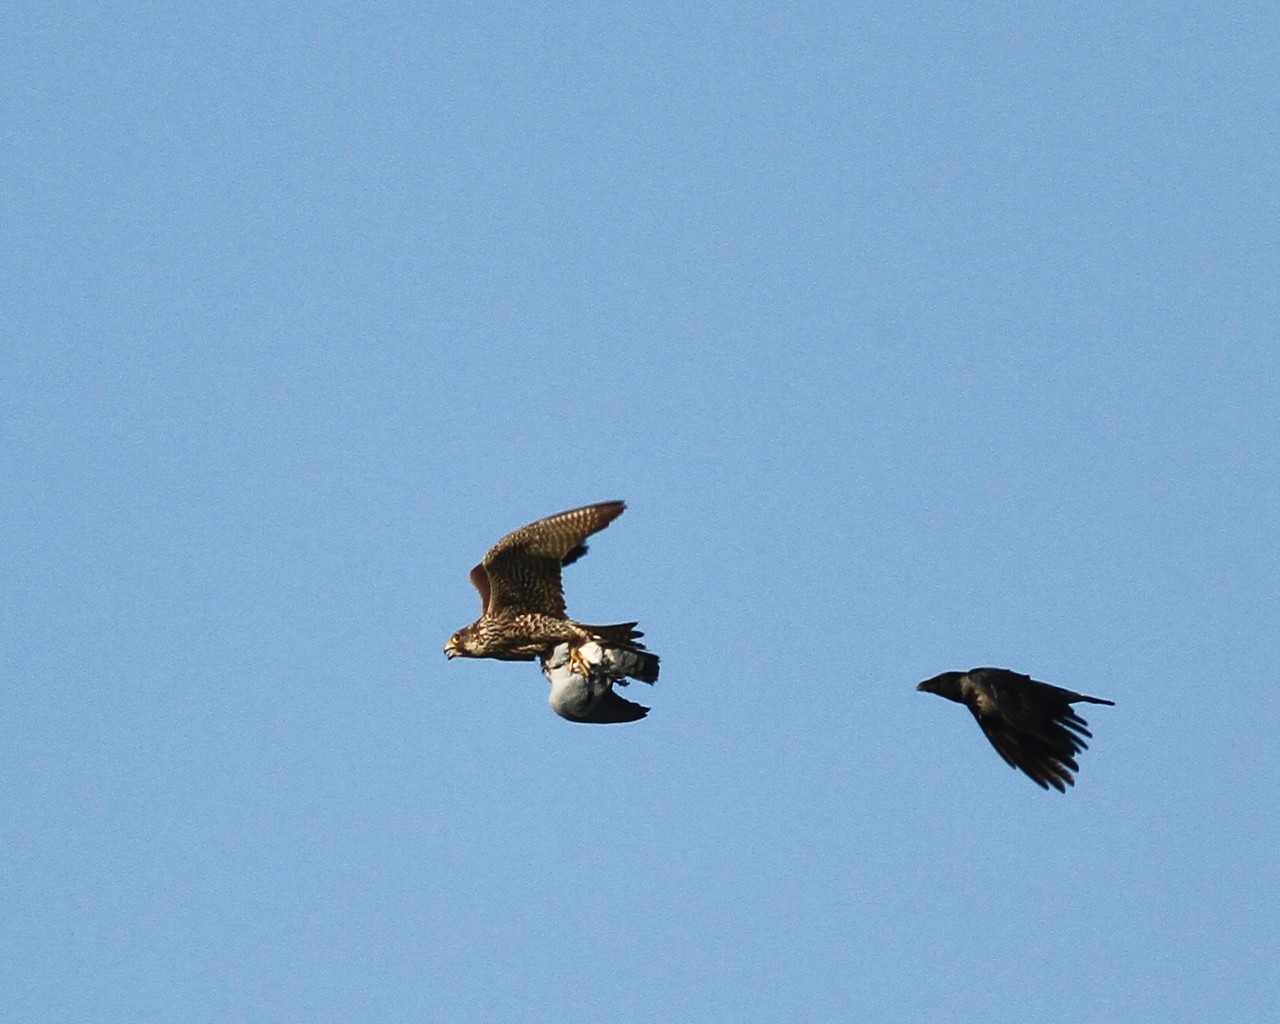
<point>916,338</point>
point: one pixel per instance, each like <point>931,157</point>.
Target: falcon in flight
<point>524,614</point>
<point>1031,724</point>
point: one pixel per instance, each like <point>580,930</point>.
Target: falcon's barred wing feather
<point>522,571</point>
<point>480,580</point>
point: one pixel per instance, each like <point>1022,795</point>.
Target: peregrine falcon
<point>524,614</point>
<point>1031,724</point>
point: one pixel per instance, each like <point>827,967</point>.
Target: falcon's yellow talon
<point>578,664</point>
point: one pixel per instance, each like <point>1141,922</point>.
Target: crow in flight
<point>1031,724</point>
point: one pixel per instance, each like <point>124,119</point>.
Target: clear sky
<point>916,337</point>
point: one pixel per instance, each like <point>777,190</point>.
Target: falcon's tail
<point>622,634</point>
<point>643,664</point>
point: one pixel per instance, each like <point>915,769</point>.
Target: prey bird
<point>1031,724</point>
<point>591,698</point>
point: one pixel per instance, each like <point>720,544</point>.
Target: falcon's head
<point>461,644</point>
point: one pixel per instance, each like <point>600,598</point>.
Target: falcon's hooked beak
<point>451,648</point>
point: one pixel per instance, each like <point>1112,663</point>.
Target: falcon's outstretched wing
<point>521,573</point>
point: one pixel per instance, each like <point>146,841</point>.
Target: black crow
<point>1031,724</point>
